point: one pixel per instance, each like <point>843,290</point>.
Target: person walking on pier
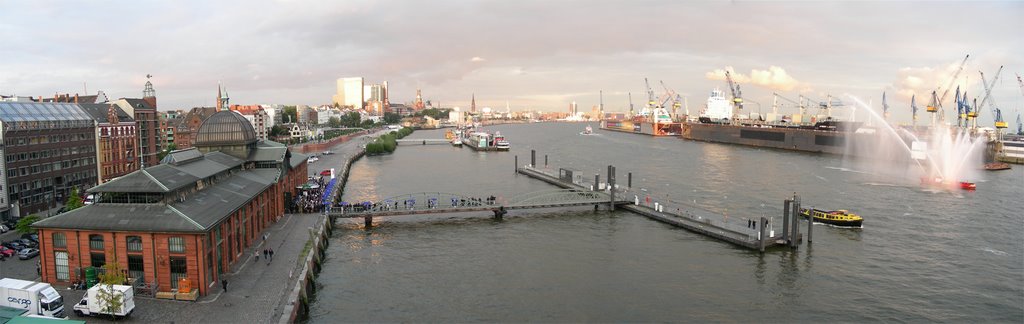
<point>224,284</point>
<point>271,254</point>
<point>256,254</point>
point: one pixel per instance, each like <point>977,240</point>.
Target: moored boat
<point>995,166</point>
<point>840,217</point>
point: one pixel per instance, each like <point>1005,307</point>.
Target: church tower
<point>472,105</point>
<point>223,102</point>
<point>148,94</point>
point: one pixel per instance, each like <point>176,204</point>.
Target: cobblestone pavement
<point>257,291</point>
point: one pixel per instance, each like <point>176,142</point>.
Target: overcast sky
<point>532,54</point>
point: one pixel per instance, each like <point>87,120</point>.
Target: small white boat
<point>587,131</point>
<point>312,159</point>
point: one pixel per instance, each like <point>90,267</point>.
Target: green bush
<point>388,142</point>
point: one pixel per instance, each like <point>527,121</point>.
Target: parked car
<point>89,199</point>
<point>4,251</point>
<point>28,254</point>
<point>31,237</point>
<point>13,245</point>
<point>27,242</point>
<point>4,228</point>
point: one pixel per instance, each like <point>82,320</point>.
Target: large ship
<point>717,124</point>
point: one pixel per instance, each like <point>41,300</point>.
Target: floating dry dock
<point>690,218</point>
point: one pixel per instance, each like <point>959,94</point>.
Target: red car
<point>6,251</point>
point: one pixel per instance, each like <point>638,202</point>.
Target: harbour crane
<point>630,104</point>
<point>885,107</point>
<point>737,94</point>
<point>798,104</point>
<point>913,110</point>
<point>936,104</point>
<point>650,94</point>
<point>674,97</point>
<point>996,113</point>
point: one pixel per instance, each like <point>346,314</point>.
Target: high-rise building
<point>376,96</point>
<point>350,93</point>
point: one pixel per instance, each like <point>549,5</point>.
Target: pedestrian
<point>265,254</point>
<point>271,254</point>
<point>224,284</point>
<point>257,255</point>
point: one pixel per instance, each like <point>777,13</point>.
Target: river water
<point>922,256</point>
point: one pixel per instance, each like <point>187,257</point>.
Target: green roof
<point>41,320</point>
<point>7,313</point>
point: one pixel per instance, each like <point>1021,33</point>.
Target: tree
<point>351,119</point>
<point>24,224</point>
<point>392,118</point>
<point>290,114</point>
<point>367,123</point>
<point>278,130</point>
<point>74,201</point>
<point>111,299</point>
<point>167,150</point>
<point>334,122</point>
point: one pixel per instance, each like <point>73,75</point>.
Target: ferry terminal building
<point>191,216</point>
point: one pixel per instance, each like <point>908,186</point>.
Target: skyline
<point>535,55</point>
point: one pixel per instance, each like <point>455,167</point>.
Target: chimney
<point>76,98</point>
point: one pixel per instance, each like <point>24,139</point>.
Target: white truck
<point>38,298</point>
<point>95,303</point>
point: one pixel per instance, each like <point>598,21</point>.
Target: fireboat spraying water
<point>941,157</point>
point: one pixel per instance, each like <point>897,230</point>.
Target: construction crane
<point>936,104</point>
<point>737,94</point>
<point>996,113</point>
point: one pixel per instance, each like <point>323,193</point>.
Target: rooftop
<point>225,128</point>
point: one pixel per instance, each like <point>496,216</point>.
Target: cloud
<point>477,59</point>
<point>774,78</point>
<point>921,81</point>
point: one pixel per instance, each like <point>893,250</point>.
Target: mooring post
<point>597,179</point>
<point>533,158</point>
<point>796,223</point>
<point>786,215</point>
<point>629,180</point>
<point>611,186</point>
<point>368,221</point>
<point>760,242</point>
<point>517,165</point>
<point>810,229</point>
<point>545,160</point>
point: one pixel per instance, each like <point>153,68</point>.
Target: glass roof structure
<point>42,115</point>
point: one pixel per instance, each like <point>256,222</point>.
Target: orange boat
<point>968,185</point>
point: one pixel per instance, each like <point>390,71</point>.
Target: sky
<point>538,55</point>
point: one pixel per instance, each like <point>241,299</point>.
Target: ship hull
<point>806,140</point>
<point>643,127</point>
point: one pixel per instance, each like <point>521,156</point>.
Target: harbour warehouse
<point>189,217</point>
